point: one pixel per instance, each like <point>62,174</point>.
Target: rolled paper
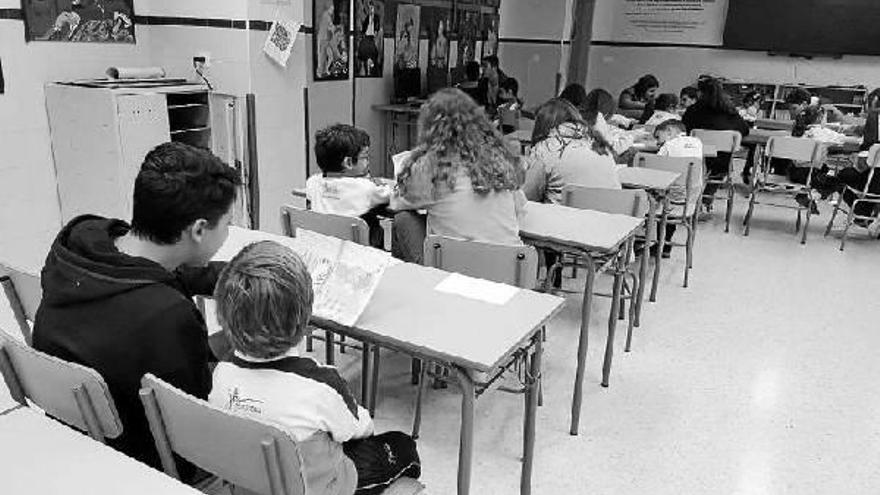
<point>135,72</point>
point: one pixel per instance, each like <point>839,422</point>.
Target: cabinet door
<point>143,124</point>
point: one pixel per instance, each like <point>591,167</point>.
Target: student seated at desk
<point>344,186</point>
<point>471,84</point>
<point>510,108</point>
<point>264,302</point>
<point>750,110</point>
<point>665,108</point>
<point>118,297</point>
<point>565,151</point>
<point>687,97</point>
<point>674,141</point>
<point>599,112</point>
<point>463,173</point>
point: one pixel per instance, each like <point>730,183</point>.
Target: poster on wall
<point>490,34</point>
<point>406,46</point>
<point>693,22</point>
<point>86,21</point>
<point>369,38</point>
<point>331,50</point>
<point>437,20</point>
<point>468,32</point>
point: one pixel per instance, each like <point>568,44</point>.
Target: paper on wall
<point>475,288</point>
<point>279,42</point>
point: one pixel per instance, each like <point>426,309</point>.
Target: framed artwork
<point>468,32</point>
<point>83,21</point>
<point>406,37</point>
<point>490,34</point>
<point>331,50</point>
<point>369,38</point>
<point>438,22</point>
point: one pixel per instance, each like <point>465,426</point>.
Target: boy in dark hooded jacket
<point>118,298</point>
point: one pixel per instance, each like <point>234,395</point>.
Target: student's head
<point>575,94</point>
<point>872,102</point>
<point>183,198</point>
<point>472,70</point>
<point>688,96</point>
<point>797,100</point>
<point>559,112</point>
<point>669,129</point>
<point>667,102</point>
<point>343,149</point>
<point>597,101</point>
<point>264,300</point>
<point>490,67</point>
<point>508,89</point>
<point>753,99</point>
<point>456,136</point>
<point>646,87</point>
<point>713,98</point>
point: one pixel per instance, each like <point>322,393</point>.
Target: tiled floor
<point>761,378</point>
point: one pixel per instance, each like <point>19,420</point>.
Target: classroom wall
<point>532,46</point>
<point>29,212</point>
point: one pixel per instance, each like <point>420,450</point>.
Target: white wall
<point>29,213</point>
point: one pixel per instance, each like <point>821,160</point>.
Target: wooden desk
<point>709,151</point>
<point>658,183</point>
<point>760,137</point>
<point>407,314</point>
<point>401,120</point>
<point>524,136</point>
<point>42,456</point>
<point>584,233</point>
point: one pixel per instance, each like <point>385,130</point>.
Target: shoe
<point>747,178</point>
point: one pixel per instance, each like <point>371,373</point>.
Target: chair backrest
<point>347,228</point>
<point>723,141</point>
<point>24,293</point>
<point>513,265</point>
<point>688,167</point>
<point>631,202</point>
<point>802,151</point>
<point>244,451</point>
<point>69,392</point>
<point>873,163</point>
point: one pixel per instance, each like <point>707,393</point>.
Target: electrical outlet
<point>202,59</point>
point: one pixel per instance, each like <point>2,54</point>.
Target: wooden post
<point>581,36</point>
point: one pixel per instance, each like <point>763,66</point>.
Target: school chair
<point>860,197</point>
<point>68,392</point>
<point>505,264</point>
<point>804,153</point>
<point>681,212</point>
<point>24,293</point>
<point>353,229</point>
<point>724,142</point>
<point>629,202</point>
<point>247,452</point>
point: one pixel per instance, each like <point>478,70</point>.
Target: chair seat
<point>780,184</point>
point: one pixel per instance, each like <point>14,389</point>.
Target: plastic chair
<point>68,392</point>
<point>629,202</point>
<point>803,152</point>
<point>861,197</point>
<point>724,142</point>
<point>682,210</point>
<point>353,229</point>
<point>24,293</point>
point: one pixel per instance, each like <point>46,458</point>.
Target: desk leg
<point>531,412</point>
<point>612,318</point>
<point>366,357</point>
<point>466,439</point>
<point>374,383</point>
<point>661,235</point>
<point>582,346</point>
<point>650,230</point>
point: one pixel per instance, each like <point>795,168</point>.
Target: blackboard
<point>804,27</point>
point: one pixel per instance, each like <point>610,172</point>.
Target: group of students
<point>118,298</point>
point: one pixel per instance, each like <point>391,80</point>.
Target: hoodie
<point>123,316</point>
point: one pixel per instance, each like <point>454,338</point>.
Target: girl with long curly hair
<point>463,173</point>
<point>566,150</point>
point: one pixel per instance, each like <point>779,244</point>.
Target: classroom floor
<point>758,379</point>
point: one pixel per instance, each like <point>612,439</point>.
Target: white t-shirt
<point>351,196</point>
<point>686,147</point>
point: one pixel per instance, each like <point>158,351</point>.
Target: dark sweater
<point>123,316</point>
<point>699,116</point>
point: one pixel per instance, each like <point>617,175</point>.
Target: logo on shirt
<point>238,403</point>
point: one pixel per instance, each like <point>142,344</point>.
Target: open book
<point>344,274</point>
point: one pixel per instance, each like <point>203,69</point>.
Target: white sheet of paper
<point>398,160</point>
<point>476,288</point>
<point>280,40</point>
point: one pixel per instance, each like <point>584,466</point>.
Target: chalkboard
<point>804,27</point>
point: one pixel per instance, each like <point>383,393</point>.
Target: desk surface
<point>399,108</point>
<point>407,313</point>
<point>647,178</point>
<point>579,229</point>
<point>761,136</point>
<point>522,135</point>
<point>42,456</point>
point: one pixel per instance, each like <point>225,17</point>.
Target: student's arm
<point>178,340</point>
<point>380,194</point>
<point>419,193</point>
<point>344,419</point>
<point>871,130</point>
<point>535,184</point>
<point>627,101</point>
<point>200,280</point>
